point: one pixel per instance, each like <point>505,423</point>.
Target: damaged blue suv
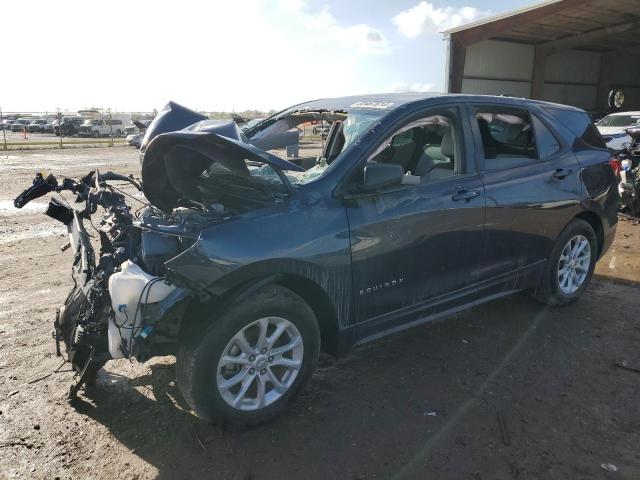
<point>246,265</point>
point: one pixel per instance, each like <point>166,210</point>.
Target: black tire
<point>207,339</point>
<point>548,290</point>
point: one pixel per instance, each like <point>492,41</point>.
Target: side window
<point>548,145</point>
<point>580,124</point>
<point>507,138</point>
<point>426,149</point>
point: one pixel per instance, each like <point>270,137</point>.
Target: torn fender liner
<point>167,177</point>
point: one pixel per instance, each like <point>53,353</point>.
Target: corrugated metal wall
<point>495,68</point>
<point>572,77</point>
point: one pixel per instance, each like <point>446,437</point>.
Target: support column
<point>605,84</point>
<point>456,62</point>
<point>539,67</point>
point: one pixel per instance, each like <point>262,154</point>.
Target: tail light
<point>615,165</point>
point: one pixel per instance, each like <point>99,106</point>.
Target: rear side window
<point>548,144</point>
<point>580,124</point>
<point>508,138</point>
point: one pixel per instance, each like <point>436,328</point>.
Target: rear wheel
<point>243,367</point>
<point>570,265</point>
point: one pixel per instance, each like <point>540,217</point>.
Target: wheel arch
<point>595,221</point>
<point>311,292</point>
<point>318,300</point>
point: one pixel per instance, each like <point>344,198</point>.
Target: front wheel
<point>242,368</point>
<point>570,265</point>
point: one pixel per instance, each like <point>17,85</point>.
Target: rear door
<point>413,244</point>
<point>531,179</point>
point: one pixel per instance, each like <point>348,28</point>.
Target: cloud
<point>278,53</point>
<point>362,38</point>
<point>403,87</point>
<point>426,18</point>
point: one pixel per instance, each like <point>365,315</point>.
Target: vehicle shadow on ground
<point>387,409</point>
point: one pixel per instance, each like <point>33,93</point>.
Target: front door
<point>415,243</point>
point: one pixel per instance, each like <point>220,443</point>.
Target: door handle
<point>465,195</point>
<point>561,173</point>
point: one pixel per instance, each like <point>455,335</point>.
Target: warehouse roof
<point>593,25</point>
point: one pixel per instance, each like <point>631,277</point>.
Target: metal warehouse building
<point>565,51</point>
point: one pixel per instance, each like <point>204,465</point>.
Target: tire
<point>557,289</point>
<point>201,375</point>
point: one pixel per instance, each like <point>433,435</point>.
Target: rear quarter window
<point>598,178</point>
<point>580,124</point>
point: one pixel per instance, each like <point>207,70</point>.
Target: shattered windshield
<point>345,130</point>
<point>235,181</point>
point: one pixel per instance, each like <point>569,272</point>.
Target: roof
<point>592,25</point>
<point>374,101</point>
<point>500,16</point>
<point>386,102</point>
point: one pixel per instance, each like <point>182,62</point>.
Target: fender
<point>335,282</point>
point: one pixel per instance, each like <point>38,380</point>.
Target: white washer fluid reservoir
<point>128,287</point>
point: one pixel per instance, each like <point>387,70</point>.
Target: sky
<point>222,55</point>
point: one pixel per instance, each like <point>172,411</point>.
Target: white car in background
<point>612,128</point>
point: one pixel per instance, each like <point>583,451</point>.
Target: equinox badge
<point>380,286</point>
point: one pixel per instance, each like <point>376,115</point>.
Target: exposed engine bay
<point>104,315</point>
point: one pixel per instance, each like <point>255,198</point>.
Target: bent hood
<point>174,162</point>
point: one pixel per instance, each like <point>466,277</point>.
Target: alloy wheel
<point>260,363</point>
<point>574,263</point>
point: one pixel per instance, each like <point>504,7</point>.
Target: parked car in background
<point>136,132</point>
<point>68,126</point>
<point>104,127</point>
<point>246,265</point>
<point>21,124</point>
<point>6,124</point>
<point>137,126</point>
<point>37,125</point>
<point>48,125</point>
<point>131,129</point>
<point>612,128</point>
<point>135,139</point>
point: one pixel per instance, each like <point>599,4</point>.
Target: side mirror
<point>381,175</point>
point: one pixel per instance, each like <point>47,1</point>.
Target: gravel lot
<point>421,404</point>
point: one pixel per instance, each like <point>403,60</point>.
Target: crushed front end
<point>125,303</point>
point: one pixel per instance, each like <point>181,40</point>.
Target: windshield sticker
<point>374,105</point>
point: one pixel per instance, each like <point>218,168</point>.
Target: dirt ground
<point>421,404</point>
